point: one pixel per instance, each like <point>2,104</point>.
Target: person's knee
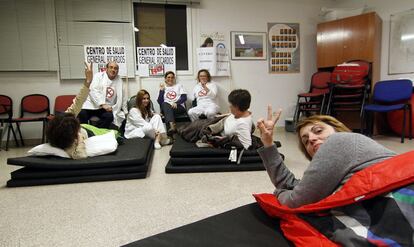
<point>192,112</point>
<point>83,116</point>
<point>211,113</point>
<point>108,116</point>
<point>165,105</point>
<point>157,118</point>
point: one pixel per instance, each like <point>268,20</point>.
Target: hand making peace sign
<point>88,74</point>
<point>267,126</point>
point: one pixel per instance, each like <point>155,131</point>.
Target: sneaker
<point>157,145</point>
<point>166,141</point>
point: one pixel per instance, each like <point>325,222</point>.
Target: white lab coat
<point>97,96</point>
<point>138,127</point>
<point>206,102</point>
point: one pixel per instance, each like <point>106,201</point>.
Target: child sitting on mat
<point>234,129</point>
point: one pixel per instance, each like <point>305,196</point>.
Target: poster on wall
<point>155,61</point>
<point>248,45</point>
<point>100,55</point>
<point>215,60</point>
<point>213,39</point>
<point>284,47</point>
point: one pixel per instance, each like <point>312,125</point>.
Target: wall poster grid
<point>284,46</point>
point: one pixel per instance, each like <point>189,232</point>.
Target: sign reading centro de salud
<point>155,61</point>
<point>100,55</point>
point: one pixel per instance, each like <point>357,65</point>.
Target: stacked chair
<point>349,88</point>
<point>315,100</point>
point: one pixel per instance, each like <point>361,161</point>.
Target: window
<point>162,24</point>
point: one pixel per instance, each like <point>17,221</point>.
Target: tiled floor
<point>119,212</point>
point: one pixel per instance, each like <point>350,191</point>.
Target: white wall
<point>213,15</point>
<point>384,8</point>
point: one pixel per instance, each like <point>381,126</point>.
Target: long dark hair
<point>145,111</point>
<point>63,130</point>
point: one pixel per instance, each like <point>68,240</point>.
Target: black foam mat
<point>132,152</point>
<point>32,173</point>
<point>182,148</point>
<point>170,168</point>
<point>212,160</point>
<point>75,179</point>
<point>34,176</point>
<point>246,226</point>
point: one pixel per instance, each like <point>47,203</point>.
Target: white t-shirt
<point>203,97</point>
<point>241,127</point>
<point>173,93</point>
<point>110,97</point>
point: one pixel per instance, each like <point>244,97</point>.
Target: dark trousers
<point>105,118</point>
<point>169,112</point>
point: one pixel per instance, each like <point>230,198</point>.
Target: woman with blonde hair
<point>335,154</point>
<point>142,121</point>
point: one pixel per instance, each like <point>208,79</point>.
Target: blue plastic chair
<point>389,96</point>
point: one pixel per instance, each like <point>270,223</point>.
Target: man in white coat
<point>106,99</point>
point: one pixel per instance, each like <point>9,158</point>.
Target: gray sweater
<point>336,161</point>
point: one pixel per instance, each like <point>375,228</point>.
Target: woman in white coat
<point>143,122</point>
<point>205,92</point>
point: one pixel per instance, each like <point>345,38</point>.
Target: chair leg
<point>371,123</point>
<point>296,115</point>
<point>321,111</point>
<point>14,135</point>
<point>20,133</point>
<point>43,131</point>
<point>363,123</point>
<point>403,127</point>
<point>8,138</point>
<point>410,122</point>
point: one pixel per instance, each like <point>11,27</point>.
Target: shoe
<point>157,145</point>
<point>166,141</point>
<point>172,130</point>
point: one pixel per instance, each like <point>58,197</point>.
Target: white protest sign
<point>155,61</point>
<point>215,60</point>
<point>100,55</point>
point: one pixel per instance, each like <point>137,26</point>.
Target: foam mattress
<point>130,161</point>
<point>187,157</point>
<point>246,226</point>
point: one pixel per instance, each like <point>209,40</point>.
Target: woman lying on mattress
<point>335,154</point>
<point>143,121</point>
<point>65,131</point>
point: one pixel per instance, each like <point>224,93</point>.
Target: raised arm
<point>281,177</point>
<point>77,104</point>
<point>160,99</point>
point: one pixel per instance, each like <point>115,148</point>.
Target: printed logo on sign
<point>171,95</point>
<point>202,93</point>
<point>109,92</point>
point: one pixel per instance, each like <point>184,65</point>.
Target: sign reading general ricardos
<point>154,61</point>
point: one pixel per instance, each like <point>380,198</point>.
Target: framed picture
<point>283,39</point>
<point>248,45</point>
